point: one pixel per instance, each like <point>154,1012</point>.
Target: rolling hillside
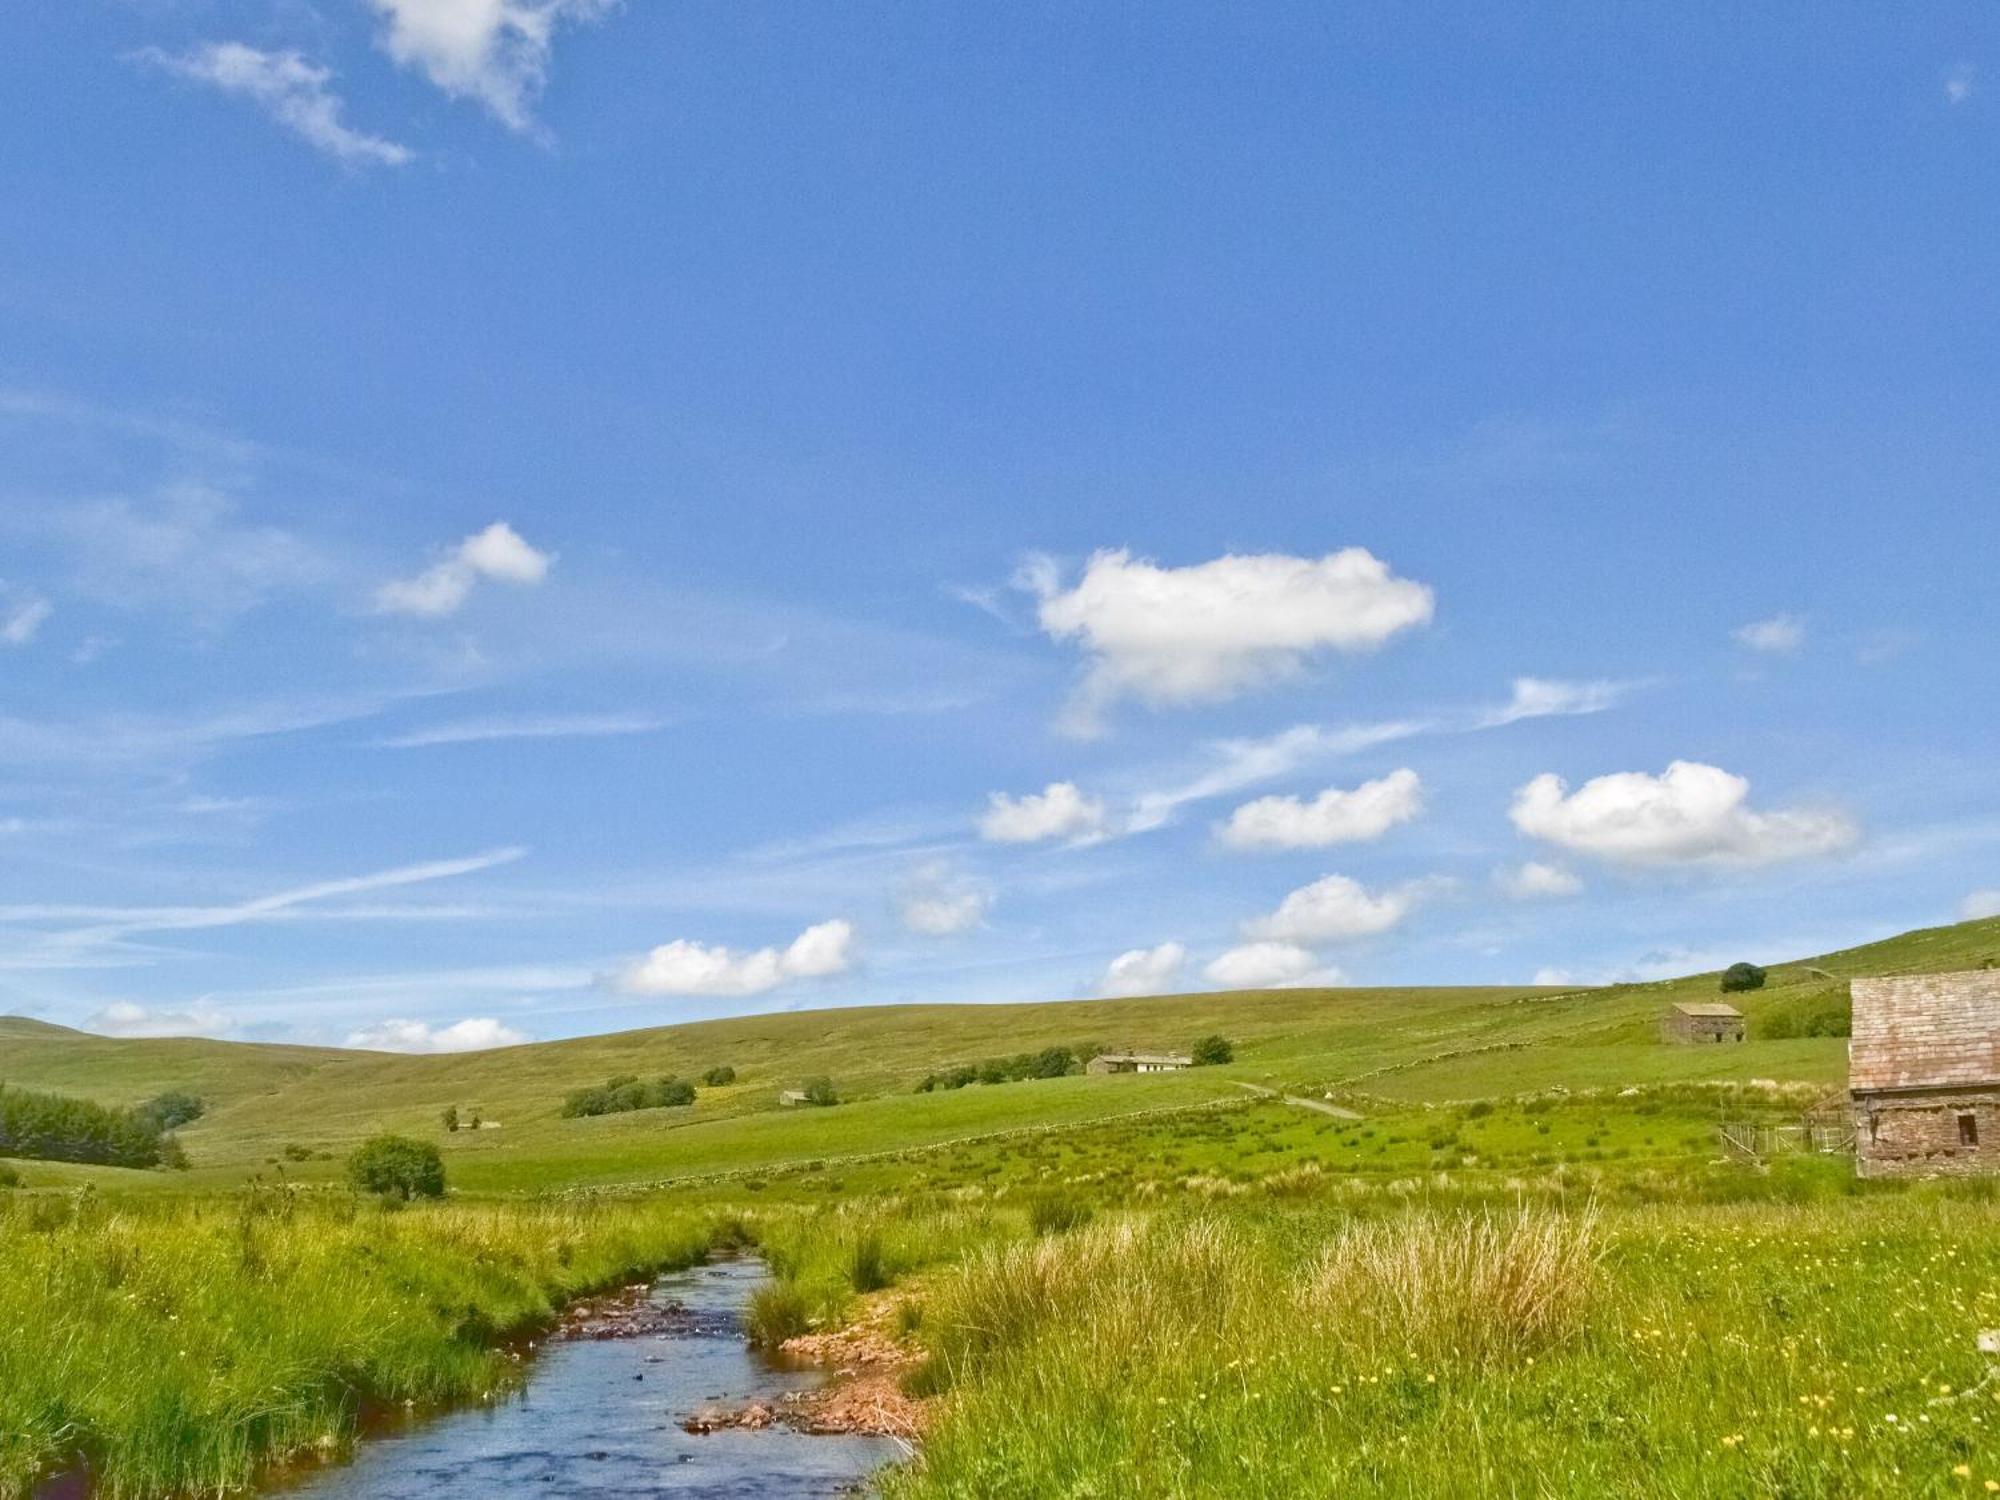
<point>1413,1045</point>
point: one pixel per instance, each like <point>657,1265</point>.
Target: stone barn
<point>1138,1062</point>
<point>1714,1022</point>
<point>1923,1074</point>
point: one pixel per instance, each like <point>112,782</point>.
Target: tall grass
<point>175,1348</point>
<point>1238,1351</point>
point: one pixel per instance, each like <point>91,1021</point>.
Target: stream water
<point>601,1418</point>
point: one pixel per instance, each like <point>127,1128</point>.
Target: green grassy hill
<point>1412,1046</point>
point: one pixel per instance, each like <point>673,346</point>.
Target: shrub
<point>53,1127</point>
<point>450,1117</point>
<point>1821,1013</point>
<point>715,1078</point>
<point>820,1091</point>
<point>623,1094</point>
<point>171,1110</point>
<point>9,1178</point>
<point>397,1167</point>
<point>1211,1050</point>
<point>1742,977</point>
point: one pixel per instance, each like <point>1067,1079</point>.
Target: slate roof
<point>1925,1031</point>
<point>1170,1059</point>
<point>1713,1010</point>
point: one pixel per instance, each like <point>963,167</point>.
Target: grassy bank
<point>179,1346</point>
<point>1286,1350</point>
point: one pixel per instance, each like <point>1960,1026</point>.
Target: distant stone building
<point>1138,1062</point>
<point>792,1098</point>
<point>1923,1074</point>
<point>1702,1022</point>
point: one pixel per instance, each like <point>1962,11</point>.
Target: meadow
<point>1406,1243</point>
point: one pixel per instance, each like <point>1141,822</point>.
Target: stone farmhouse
<point>1138,1062</point>
<point>1924,1074</point>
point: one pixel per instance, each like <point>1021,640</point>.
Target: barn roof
<point>1925,1031</point>
<point>1711,1009</point>
<point>1144,1057</point>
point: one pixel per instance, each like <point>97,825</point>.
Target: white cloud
<point>1060,811</point>
<point>1780,635</point>
<point>1244,763</point>
<point>1692,814</point>
<point>1958,84</point>
<point>1332,909</point>
<point>689,968</point>
<point>1552,978</point>
<point>281,904</point>
<point>124,1018</point>
<point>289,89</point>
<point>1545,698</point>
<point>1271,966</point>
<point>20,623</point>
<point>494,51</point>
<point>497,553</point>
<point>1143,971</point>
<point>474,1034</point>
<point>1536,881</point>
<point>546,727</point>
<point>1217,629</point>
<point>1979,904</point>
<point>1333,817</point>
<point>939,903</point>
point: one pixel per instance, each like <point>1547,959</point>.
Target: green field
<point>1408,1242</point>
<point>1401,1047</point>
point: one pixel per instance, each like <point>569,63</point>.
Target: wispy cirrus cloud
<point>526,727</point>
<point>295,92</point>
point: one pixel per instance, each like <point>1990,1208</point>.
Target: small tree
<point>820,1091</point>
<point>397,1167</point>
<point>1211,1050</point>
<point>715,1078</point>
<point>450,1118</point>
<point>1742,977</point>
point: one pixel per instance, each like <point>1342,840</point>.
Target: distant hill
<point>1407,1043</point>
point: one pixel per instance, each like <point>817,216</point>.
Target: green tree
<point>397,1167</point>
<point>820,1091</point>
<point>1742,977</point>
<point>450,1117</point>
<point>715,1078</point>
<point>1211,1050</point>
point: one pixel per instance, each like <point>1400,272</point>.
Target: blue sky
<point>526,517</point>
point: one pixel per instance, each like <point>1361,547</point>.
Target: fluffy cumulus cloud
<point>1780,635</point>
<point>1060,811</point>
<point>1333,817</point>
<point>1536,880</point>
<point>1980,904</point>
<point>473,1034</point>
<point>939,902</point>
<point>1692,814</point>
<point>1143,971</point>
<point>125,1018</point>
<point>498,554</point>
<point>1214,630</point>
<point>493,51</point>
<point>296,93</point>
<point>1271,966</point>
<point>1333,909</point>
<point>688,968</point>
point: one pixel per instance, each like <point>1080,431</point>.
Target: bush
<point>171,1110</point>
<point>715,1078</point>
<point>53,1127</point>
<point>450,1118</point>
<point>9,1178</point>
<point>397,1167</point>
<point>1211,1050</point>
<point>1822,1013</point>
<point>623,1094</point>
<point>820,1091</point>
<point>1739,977</point>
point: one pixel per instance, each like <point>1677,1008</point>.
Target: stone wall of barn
<point>1897,1136</point>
